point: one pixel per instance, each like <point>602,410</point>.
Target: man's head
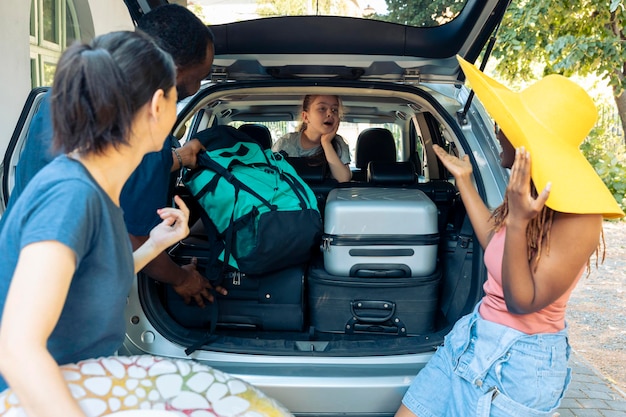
<point>190,42</point>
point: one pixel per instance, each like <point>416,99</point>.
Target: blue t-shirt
<point>145,191</point>
<point>64,203</point>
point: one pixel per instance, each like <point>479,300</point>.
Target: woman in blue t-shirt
<point>67,264</point>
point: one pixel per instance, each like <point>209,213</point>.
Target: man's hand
<point>195,286</point>
<point>188,153</point>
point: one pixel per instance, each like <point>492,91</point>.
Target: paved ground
<point>590,394</point>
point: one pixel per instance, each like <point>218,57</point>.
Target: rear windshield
<point>419,13</point>
<point>347,130</point>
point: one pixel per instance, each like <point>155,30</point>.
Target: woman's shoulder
<point>581,227</point>
<point>63,179</point>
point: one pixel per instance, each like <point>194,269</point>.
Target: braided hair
<point>538,232</point>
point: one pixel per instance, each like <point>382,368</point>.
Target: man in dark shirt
<point>190,42</point>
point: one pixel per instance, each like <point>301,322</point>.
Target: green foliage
<point>569,37</point>
<point>605,152</point>
<point>566,37</point>
<point>198,11</point>
<point>269,8</point>
<point>422,12</point>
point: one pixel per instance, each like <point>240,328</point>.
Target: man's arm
<point>186,280</point>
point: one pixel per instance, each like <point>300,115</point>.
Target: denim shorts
<point>487,369</point>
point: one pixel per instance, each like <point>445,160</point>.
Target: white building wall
<point>106,16</point>
<point>15,67</point>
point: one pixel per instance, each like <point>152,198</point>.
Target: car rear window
<point>412,13</point>
<point>348,130</point>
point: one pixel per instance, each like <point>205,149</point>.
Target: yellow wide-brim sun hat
<point>550,119</point>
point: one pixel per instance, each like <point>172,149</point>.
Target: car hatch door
<point>138,8</point>
<point>17,143</point>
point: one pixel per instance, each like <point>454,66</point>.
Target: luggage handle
<point>380,271</point>
<point>373,321</point>
<point>369,311</point>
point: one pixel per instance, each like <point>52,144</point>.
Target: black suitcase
<point>399,306</point>
<point>273,301</point>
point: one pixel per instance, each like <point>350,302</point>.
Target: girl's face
<point>507,156</point>
<point>322,116</point>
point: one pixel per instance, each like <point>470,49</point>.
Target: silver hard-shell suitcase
<point>378,232</point>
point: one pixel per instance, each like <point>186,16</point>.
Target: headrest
<point>310,173</point>
<point>391,173</point>
<point>374,144</point>
<point>258,132</point>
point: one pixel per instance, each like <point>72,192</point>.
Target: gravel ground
<point>597,310</point>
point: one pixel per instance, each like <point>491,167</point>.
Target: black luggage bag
<point>273,301</point>
<point>399,306</point>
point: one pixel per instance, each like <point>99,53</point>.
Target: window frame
<point>43,51</point>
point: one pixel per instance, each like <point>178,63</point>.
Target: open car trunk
<point>306,310</point>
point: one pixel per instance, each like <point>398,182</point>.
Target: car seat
<point>400,173</point>
<point>258,132</point>
<point>373,144</point>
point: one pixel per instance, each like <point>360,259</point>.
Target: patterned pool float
<point>184,388</point>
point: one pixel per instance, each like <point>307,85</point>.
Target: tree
<point>197,10</point>
<point>422,12</point>
<point>269,8</point>
<point>566,37</point>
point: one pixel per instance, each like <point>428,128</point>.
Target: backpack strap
<point>290,179</point>
<point>205,160</point>
<point>297,187</point>
<point>209,273</point>
<point>210,335</point>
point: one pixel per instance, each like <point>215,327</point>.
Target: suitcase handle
<point>380,271</point>
<point>374,317</point>
<point>368,311</point>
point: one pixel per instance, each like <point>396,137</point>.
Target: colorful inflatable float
<point>149,386</point>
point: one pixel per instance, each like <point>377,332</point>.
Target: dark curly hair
<point>179,32</point>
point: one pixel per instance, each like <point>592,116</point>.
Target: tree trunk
<point>620,101</point>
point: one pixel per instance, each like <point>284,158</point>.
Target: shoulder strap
<point>205,160</point>
<point>210,335</point>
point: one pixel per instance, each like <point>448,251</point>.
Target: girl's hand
<point>458,167</point>
<point>327,138</point>
<point>173,228</point>
<point>522,205</point>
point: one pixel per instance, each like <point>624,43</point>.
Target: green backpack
<point>265,216</point>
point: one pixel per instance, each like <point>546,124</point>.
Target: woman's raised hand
<point>458,167</point>
<point>522,205</point>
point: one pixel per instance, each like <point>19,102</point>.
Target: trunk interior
<point>304,310</point>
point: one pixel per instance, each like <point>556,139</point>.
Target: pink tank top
<point>493,308</point>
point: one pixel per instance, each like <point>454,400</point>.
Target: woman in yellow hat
<point>509,357</point>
